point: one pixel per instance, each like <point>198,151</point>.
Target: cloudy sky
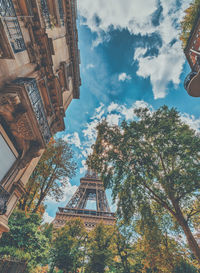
<point>130,56</point>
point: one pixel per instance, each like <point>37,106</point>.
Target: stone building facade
<point>39,77</point>
<point>192,53</point>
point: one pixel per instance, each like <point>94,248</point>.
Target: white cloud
<point>162,69</point>
<point>136,16</point>
<point>128,112</point>
<point>84,167</point>
<point>167,66</point>
<point>73,139</point>
<point>191,121</point>
<point>112,107</point>
<point>47,218</point>
<point>99,115</point>
<point>101,15</point>
<point>68,191</point>
<point>90,131</point>
<point>90,66</point>
<point>113,119</point>
<point>123,77</point>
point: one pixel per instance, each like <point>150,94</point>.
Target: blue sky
<point>131,56</point>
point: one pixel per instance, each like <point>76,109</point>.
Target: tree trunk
<point>38,203</point>
<point>24,199</point>
<point>190,238</point>
<point>31,201</point>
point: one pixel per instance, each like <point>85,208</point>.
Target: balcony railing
<point>61,12</point>
<point>189,77</point>
<point>37,105</point>
<point>45,13</point>
<point>4,197</point>
<point>7,12</point>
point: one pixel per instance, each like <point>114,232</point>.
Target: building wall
<point>39,76</point>
<point>192,53</point>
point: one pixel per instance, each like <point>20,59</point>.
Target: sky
<point>131,56</point>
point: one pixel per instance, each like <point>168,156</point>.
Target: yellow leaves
<point>41,269</point>
<point>191,14</point>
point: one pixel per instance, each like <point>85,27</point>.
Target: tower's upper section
<point>90,177</point>
<point>91,174</point>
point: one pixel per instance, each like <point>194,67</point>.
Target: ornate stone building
<point>91,189</point>
<point>39,77</point>
<point>192,53</point>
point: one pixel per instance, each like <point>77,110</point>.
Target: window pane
<point>7,158</point>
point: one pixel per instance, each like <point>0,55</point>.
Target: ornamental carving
<point>21,127</point>
<point>8,103</point>
<point>32,152</point>
<point>15,114</point>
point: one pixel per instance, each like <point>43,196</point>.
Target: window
<point>7,157</point>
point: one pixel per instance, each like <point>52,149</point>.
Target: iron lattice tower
<point>91,188</point>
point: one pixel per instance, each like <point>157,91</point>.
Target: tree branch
<point>158,199</point>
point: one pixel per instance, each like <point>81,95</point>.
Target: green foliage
<point>184,267</point>
<point>25,241</point>
<point>190,18</point>
<point>49,177</point>
<point>120,249</point>
<point>123,249</point>
<point>99,252</point>
<point>68,248</point>
<point>154,162</point>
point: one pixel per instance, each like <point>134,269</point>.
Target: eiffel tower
<point>91,189</point>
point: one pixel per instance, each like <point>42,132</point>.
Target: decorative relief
<point>14,113</point>
<point>8,103</point>
<point>22,127</point>
<point>32,152</point>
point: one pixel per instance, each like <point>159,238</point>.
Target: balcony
<point>45,13</point>
<point>192,84</point>
<point>11,25</point>
<point>37,105</point>
<point>4,197</point>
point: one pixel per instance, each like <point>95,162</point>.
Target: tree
<point>154,159</point>
<point>184,267</point>
<point>99,253</point>
<point>68,246</point>
<point>25,241</point>
<point>189,20</point>
<point>122,248</point>
<point>49,177</point>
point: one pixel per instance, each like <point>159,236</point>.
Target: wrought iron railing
<point>7,8</point>
<point>45,13</point>
<point>4,196</point>
<point>37,105</point>
<point>7,12</point>
<point>61,12</point>
<point>189,77</point>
